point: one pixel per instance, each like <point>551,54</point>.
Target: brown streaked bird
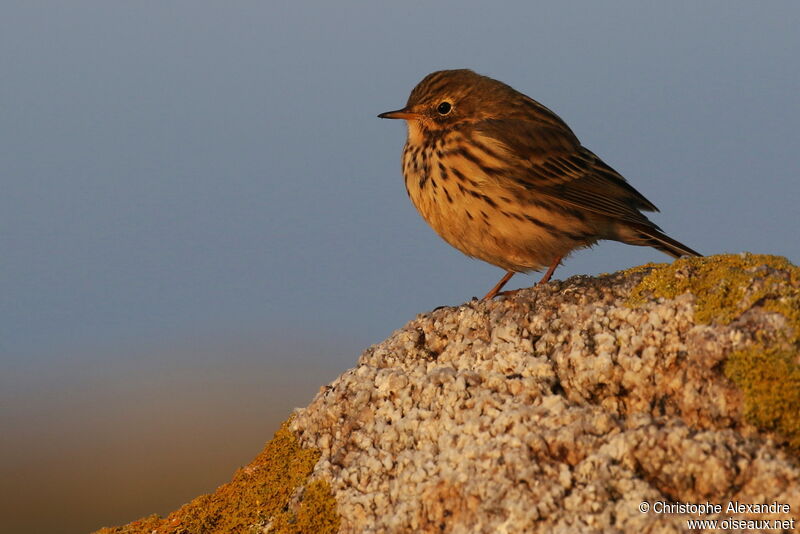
<point>503,179</point>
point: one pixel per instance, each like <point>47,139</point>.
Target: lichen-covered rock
<point>272,494</point>
<point>562,408</point>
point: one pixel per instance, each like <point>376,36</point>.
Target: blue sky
<point>199,205</point>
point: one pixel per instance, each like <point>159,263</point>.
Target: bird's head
<point>447,98</point>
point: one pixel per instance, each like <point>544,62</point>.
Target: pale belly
<point>487,219</point>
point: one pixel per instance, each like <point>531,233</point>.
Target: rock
<point>568,407</point>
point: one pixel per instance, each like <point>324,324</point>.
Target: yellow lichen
<point>316,512</point>
<point>145,525</point>
<point>258,497</point>
<point>770,379</point>
<point>726,286</point>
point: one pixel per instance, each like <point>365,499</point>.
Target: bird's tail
<point>641,234</point>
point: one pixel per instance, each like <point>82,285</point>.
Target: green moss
<point>725,286</point>
<point>257,495</point>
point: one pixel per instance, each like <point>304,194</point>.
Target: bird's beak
<point>399,114</point>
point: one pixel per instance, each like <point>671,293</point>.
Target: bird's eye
<point>444,108</point>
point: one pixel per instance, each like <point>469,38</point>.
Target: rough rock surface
<point>558,409</point>
<point>563,408</point>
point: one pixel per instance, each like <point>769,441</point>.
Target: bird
<point>503,179</point>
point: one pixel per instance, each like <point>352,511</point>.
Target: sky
<point>202,221</point>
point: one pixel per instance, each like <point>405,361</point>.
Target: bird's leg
<point>496,289</point>
<point>550,271</point>
<point>546,278</point>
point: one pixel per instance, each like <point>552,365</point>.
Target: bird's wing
<point>549,160</point>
